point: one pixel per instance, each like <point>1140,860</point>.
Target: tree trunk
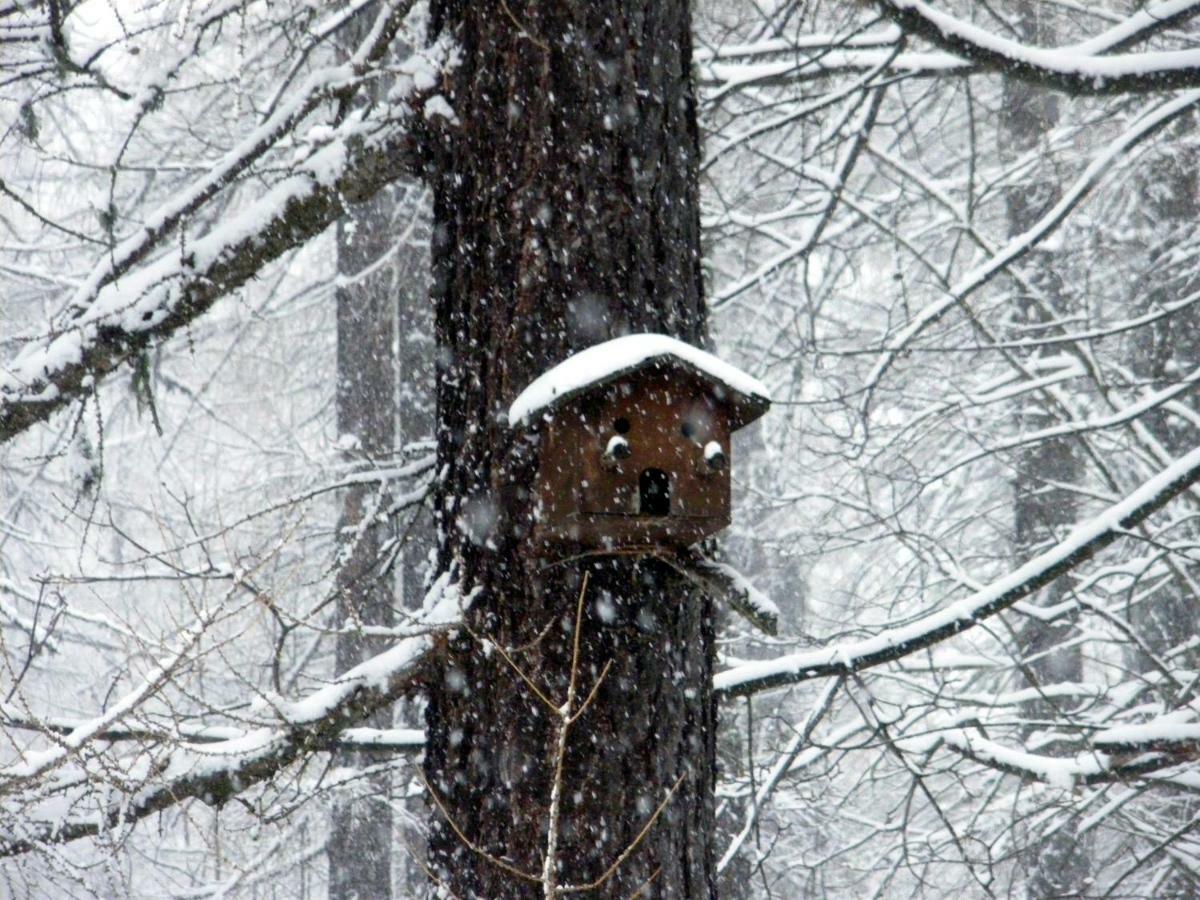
<point>360,840</point>
<point>1165,351</point>
<point>566,212</point>
<point>1057,866</point>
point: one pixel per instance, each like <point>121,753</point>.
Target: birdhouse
<point>634,444</point>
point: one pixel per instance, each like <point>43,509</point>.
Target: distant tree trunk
<point>566,212</point>
<point>1059,865</point>
<point>1167,618</point>
<point>1169,349</point>
<point>416,422</point>
<point>360,840</point>
<point>384,402</point>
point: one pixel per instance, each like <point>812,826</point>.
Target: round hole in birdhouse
<point>688,429</point>
<point>621,425</point>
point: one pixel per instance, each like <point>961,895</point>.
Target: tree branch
<point>215,770</point>
<point>1077,69</point>
<point>148,307</point>
<point>144,307</point>
<point>890,644</point>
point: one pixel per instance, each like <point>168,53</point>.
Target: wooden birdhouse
<point>634,444</point>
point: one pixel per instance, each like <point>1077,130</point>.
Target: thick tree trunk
<point>1059,865</point>
<point>566,212</point>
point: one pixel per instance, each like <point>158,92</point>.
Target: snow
<point>602,363</point>
<point>1162,731</point>
<point>1155,117</point>
<point>143,296</point>
<point>617,448</point>
<point>739,75</point>
<point>442,607</point>
<point>754,598</point>
<point>1080,60</point>
<point>438,106</point>
<point>385,737</point>
<point>964,613</point>
<point>1059,772</point>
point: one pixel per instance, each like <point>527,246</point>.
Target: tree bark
<point>566,212</point>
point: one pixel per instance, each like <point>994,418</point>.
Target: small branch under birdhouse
<point>726,584</point>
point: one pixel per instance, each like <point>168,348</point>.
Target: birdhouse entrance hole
<point>654,493</point>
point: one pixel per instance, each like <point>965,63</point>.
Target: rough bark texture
<point>566,212</point>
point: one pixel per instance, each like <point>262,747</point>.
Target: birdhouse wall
<point>594,502</point>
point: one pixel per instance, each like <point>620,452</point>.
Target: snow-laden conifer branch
<point>893,643</point>
<point>1087,68</point>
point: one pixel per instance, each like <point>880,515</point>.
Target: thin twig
<point>467,842</point>
<point>628,851</point>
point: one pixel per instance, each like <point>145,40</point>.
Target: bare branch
<point>894,643</point>
<point>1077,70</point>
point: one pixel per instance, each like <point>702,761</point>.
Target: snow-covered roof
<point>606,362</point>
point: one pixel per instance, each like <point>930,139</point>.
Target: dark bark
<point>566,212</point>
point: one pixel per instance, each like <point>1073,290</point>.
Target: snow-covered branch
<point>397,740</point>
<point>1079,69</point>
<point>149,306</point>
<point>1146,125</point>
<point>893,643</point>
<point>1062,772</point>
<point>215,764</point>
<point>122,310</point>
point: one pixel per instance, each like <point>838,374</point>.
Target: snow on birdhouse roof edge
<point>602,363</point>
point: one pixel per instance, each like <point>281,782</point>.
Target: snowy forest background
<point>971,288</point>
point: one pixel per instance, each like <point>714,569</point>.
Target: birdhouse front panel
<point>641,461</point>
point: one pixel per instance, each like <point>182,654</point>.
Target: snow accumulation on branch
<point>76,799</point>
<point>1166,734</point>
<point>721,77</point>
<point>1087,767</point>
<point>725,583</point>
<point>605,362</point>
<point>396,740</point>
<point>1087,68</point>
<point>127,305</point>
<point>781,60</point>
<point>893,643</point>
